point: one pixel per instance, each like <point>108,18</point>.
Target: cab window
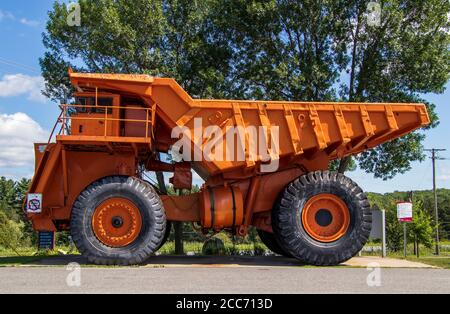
<point>89,103</point>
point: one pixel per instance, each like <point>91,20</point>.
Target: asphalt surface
<point>254,278</point>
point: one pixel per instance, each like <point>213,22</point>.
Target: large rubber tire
<point>289,229</point>
<point>270,241</point>
<point>168,223</point>
<point>151,210</point>
<point>166,235</point>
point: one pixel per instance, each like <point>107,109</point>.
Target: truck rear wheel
<point>118,221</point>
<point>270,241</point>
<point>322,218</point>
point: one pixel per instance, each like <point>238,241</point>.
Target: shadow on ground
<point>18,260</point>
<point>166,261</point>
<point>219,261</point>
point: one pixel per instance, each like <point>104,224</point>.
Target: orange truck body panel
<point>117,141</point>
<point>340,129</point>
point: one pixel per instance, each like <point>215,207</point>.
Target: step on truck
<point>264,163</point>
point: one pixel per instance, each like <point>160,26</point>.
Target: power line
<point>421,183</point>
<point>434,156</point>
<point>18,65</point>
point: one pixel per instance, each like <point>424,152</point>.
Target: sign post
<point>383,230</point>
<point>405,215</point>
<point>405,241</point>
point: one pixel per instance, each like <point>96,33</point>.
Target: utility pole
<point>434,156</point>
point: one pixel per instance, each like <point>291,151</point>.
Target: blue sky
<point>26,117</point>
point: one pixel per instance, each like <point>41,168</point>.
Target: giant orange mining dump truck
<point>90,180</point>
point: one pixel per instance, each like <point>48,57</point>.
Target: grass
<point>196,248</point>
<point>426,255</point>
<point>169,248</point>
<point>9,257</point>
<point>438,261</point>
<point>445,250</point>
<point>23,256</point>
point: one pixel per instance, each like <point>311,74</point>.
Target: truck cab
<point>106,114</point>
<point>95,115</point>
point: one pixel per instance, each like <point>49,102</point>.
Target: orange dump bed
<point>305,128</point>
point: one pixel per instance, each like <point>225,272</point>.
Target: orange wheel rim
<point>326,218</point>
<point>117,222</point>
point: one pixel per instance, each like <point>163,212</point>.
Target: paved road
<point>244,261</point>
<point>203,279</point>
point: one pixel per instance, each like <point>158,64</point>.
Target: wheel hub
<point>326,218</point>
<point>117,222</point>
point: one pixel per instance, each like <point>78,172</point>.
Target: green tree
<point>283,50</point>
<point>327,50</point>
<point>421,229</point>
<point>427,197</point>
<point>11,232</point>
<point>405,55</point>
<point>443,209</point>
<point>8,197</point>
<point>157,37</point>
<point>394,229</point>
<point>12,194</point>
<point>267,49</point>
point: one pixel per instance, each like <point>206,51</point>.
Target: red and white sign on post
<point>34,203</point>
<point>405,211</point>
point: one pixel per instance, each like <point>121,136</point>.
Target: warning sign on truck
<point>34,203</point>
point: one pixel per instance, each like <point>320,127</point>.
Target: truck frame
<point>89,177</point>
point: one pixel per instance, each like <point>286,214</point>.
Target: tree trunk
<point>343,164</point>
<point>161,183</point>
<point>160,179</point>
<point>351,89</point>
<point>415,245</point>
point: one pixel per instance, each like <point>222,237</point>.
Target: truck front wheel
<point>322,219</point>
<point>270,241</point>
<point>118,221</point>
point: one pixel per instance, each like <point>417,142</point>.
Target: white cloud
<point>18,132</point>
<point>5,15</point>
<point>445,174</point>
<point>17,175</point>
<point>28,22</point>
<point>21,84</point>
